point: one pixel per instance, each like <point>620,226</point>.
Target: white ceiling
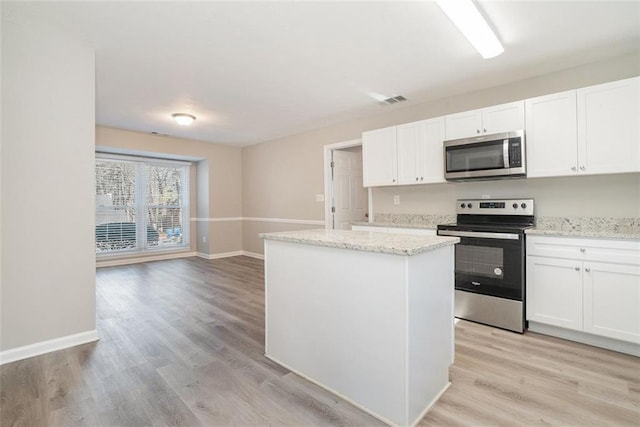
<point>253,71</point>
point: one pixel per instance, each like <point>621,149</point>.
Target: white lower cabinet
<point>612,300</point>
<point>554,292</point>
<point>587,285</point>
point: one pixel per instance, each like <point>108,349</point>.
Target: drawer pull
<point>587,269</point>
<point>577,268</point>
<point>583,250</point>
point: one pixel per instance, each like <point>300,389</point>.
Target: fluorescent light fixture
<point>465,15</point>
<point>183,119</point>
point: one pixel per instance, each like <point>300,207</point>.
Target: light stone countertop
<point>408,221</point>
<point>364,240</point>
<point>601,234</point>
<point>596,227</point>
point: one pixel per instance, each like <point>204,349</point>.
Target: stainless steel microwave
<point>495,156</point>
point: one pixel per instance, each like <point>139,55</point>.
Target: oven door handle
<point>481,235</point>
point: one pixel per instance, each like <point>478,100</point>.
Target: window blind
<point>141,205</point>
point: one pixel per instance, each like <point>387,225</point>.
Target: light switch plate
<point>319,197</point>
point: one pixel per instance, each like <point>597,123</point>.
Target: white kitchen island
<point>366,315</point>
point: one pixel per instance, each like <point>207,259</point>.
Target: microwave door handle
<point>505,153</point>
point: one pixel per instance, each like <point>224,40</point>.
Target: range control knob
<point>515,206</point>
<point>462,205</point>
<point>523,206</point>
<point>469,205</point>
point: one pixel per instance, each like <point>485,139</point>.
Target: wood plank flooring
<point>182,344</point>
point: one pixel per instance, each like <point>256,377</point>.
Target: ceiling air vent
<point>395,99</point>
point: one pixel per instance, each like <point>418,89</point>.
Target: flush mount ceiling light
<point>183,119</point>
<point>465,15</point>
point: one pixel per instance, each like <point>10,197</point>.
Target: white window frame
<point>140,192</point>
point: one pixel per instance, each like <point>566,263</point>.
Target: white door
<point>410,137</point>
<point>349,197</point>
<point>554,292</point>
<point>432,152</point>
<point>612,300</point>
<point>608,130</point>
<point>503,118</point>
<point>379,151</point>
<point>552,135</point>
<point>463,125</point>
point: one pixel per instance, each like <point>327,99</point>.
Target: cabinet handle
<point>485,131</point>
<point>477,130</point>
<point>583,250</point>
<point>582,168</point>
<point>573,168</point>
<point>422,178</point>
<point>577,268</point>
<point>416,178</point>
<point>587,269</point>
<point>394,180</point>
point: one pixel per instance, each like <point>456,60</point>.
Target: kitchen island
<point>366,315</point>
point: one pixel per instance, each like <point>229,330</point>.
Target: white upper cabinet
<point>420,154</point>
<point>552,135</point>
<point>609,127</point>
<point>499,118</point>
<point>379,157</point>
<point>594,130</point>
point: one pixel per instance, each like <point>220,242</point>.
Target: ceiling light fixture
<point>183,119</point>
<point>465,15</point>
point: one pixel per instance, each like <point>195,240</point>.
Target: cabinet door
<point>609,127</point>
<point>612,300</point>
<point>379,157</point>
<point>410,137</point>
<point>462,125</point>
<point>503,118</point>
<point>551,135</point>
<point>554,292</point>
<point>431,152</point>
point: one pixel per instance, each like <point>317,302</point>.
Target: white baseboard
<point>230,254</point>
<point>253,255</point>
<point>43,347</point>
<point>126,261</point>
<point>586,338</point>
<point>220,255</point>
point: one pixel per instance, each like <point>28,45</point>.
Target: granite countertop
<point>364,240</point>
<point>597,227</point>
<point>408,221</point>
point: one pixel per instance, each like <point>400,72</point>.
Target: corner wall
<point>48,261</point>
<point>281,177</point>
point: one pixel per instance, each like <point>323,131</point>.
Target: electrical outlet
<point>396,200</point>
<point>204,239</point>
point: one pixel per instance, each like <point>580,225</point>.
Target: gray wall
<point>48,118</point>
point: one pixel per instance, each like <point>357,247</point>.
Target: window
<point>141,204</point>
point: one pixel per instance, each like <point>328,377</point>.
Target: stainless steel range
<point>490,260</point>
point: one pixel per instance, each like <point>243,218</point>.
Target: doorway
<point>346,200</point>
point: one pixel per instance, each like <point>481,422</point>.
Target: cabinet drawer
<point>602,250</point>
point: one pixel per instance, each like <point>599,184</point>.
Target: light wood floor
<point>182,344</point>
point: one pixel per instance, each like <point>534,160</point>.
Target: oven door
<point>489,263</point>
